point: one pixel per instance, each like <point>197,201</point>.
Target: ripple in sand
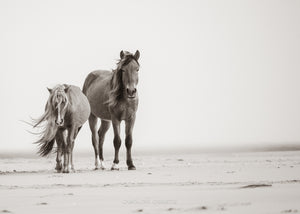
<point>289,211</point>
<point>256,186</point>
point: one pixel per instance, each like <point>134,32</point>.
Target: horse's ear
<point>122,54</point>
<point>66,88</point>
<point>50,90</point>
<point>137,55</point>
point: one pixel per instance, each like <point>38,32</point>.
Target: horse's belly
<point>101,112</point>
<point>99,109</point>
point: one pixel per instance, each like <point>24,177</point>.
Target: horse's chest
<point>123,111</point>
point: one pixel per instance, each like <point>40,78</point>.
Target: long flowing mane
<point>47,122</point>
<point>117,87</point>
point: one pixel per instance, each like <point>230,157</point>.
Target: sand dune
<point>256,182</point>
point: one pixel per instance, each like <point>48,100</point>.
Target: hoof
<point>58,167</point>
<point>58,170</point>
<point>99,168</point>
<point>115,167</point>
<point>100,165</point>
<point>66,171</point>
<point>131,168</point>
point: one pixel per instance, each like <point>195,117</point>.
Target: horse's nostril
<point>131,92</point>
<point>59,122</point>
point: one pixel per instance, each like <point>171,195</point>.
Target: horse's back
<point>93,77</point>
<point>80,104</point>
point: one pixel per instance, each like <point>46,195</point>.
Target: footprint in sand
<point>69,194</point>
<point>43,203</point>
<point>173,209</point>
<point>5,211</point>
<point>201,208</point>
<point>197,208</point>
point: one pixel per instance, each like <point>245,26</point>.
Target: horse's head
<point>129,66</point>
<point>59,102</point>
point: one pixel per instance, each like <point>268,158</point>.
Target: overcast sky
<point>213,73</point>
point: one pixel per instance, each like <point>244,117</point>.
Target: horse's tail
<point>47,137</point>
<point>88,81</point>
<point>45,147</point>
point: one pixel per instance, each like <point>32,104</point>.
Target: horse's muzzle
<point>59,123</point>
<point>131,93</point>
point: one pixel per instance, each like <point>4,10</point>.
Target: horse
<point>67,109</point>
<point>113,98</point>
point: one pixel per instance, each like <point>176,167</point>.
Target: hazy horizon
<point>213,73</point>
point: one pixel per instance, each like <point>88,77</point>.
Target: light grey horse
<point>67,109</point>
<point>113,97</point>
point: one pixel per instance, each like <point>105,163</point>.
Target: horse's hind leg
<point>95,138</point>
<point>101,133</point>
<point>72,147</point>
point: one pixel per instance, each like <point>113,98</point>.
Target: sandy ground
<point>257,182</point>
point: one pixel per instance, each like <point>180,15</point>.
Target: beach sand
<point>229,182</point>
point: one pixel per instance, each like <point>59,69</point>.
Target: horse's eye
<point>137,69</point>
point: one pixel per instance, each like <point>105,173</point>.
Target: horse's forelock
<point>126,60</point>
<point>58,90</point>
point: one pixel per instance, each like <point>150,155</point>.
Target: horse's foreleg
<point>101,133</point>
<point>59,142</point>
<point>68,149</point>
<point>128,142</point>
<point>117,144</point>
<point>95,138</point>
<point>64,136</point>
<point>58,159</point>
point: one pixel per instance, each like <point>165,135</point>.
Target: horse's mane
<point>47,121</point>
<point>117,87</point>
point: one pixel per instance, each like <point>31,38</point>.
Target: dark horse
<point>113,97</point>
<point>67,109</point>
